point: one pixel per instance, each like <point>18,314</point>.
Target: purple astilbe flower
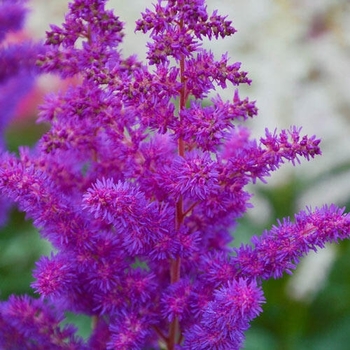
<point>279,250</point>
<point>53,276</point>
<point>206,127</point>
<point>27,323</point>
<point>226,317</point>
<point>90,33</point>
<point>132,329</point>
<point>175,300</point>
<point>194,177</point>
<point>139,184</point>
<point>267,156</point>
<point>139,222</point>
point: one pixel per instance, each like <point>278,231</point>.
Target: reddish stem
<point>175,266</point>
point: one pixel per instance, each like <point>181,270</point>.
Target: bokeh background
<point>297,53</point>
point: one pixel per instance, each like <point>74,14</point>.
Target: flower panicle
<point>177,26</point>
<point>225,319</point>
<point>267,156</point>
<point>28,323</point>
<point>139,183</point>
<point>279,250</point>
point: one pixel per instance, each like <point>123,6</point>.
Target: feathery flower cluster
<point>138,186</point>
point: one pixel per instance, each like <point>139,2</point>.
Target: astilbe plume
<point>138,186</point>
